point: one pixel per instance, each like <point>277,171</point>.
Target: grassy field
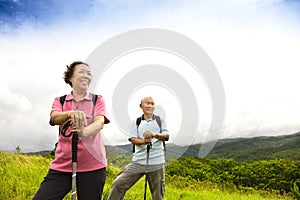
<point>22,174</point>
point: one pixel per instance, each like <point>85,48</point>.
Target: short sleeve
<point>100,109</point>
<point>56,106</point>
<point>133,131</point>
<point>164,129</point>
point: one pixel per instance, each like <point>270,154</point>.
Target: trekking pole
<point>74,163</point>
<point>146,175</point>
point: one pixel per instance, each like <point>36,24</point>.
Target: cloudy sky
<point>254,45</point>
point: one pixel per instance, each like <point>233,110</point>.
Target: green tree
<point>18,149</point>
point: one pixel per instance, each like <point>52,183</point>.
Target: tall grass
<point>21,175</point>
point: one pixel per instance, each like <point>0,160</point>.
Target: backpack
<point>67,125</point>
<point>158,120</point>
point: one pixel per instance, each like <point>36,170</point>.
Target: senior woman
<point>85,118</point>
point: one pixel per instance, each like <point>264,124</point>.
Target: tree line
<point>268,175</point>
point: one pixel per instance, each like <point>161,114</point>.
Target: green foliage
<point>18,149</point>
<point>119,160</point>
<point>51,154</point>
<point>295,191</point>
<point>271,175</point>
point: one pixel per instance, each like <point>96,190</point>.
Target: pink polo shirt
<point>91,151</point>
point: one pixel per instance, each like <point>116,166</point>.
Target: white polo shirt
<point>156,155</point>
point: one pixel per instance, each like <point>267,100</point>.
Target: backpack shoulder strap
<point>62,99</point>
<point>94,99</point>
<point>138,121</point>
<point>158,120</point>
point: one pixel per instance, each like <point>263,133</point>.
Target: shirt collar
<point>88,96</point>
<point>143,118</point>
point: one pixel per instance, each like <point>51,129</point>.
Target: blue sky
<point>254,44</point>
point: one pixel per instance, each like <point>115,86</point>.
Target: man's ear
<point>140,105</point>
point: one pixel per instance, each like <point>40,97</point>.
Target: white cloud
<point>13,102</point>
<point>22,123</point>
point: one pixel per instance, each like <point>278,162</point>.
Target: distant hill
<point>241,149</point>
<point>257,148</point>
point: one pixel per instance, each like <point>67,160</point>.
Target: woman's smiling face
<point>82,77</point>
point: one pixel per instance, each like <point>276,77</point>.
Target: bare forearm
<point>140,141</point>
<point>93,128</point>
<point>58,118</point>
<point>161,137</point>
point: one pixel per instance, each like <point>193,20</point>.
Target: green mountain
<point>241,149</point>
<point>251,149</point>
